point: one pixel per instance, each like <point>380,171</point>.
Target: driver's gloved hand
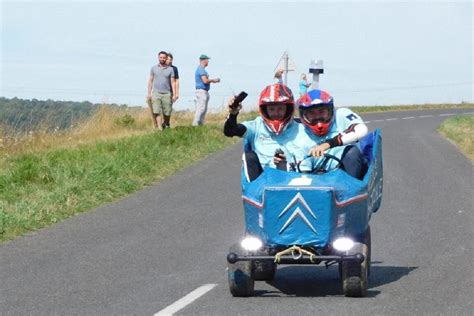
<point>319,150</point>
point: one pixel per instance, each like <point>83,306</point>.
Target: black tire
<point>241,282</point>
<point>354,274</point>
<point>264,270</point>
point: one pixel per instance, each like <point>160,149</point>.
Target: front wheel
<point>241,282</point>
<point>354,274</point>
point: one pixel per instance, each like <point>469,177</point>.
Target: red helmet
<point>317,99</point>
<point>276,94</point>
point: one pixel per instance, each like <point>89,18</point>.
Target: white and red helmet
<point>276,94</point>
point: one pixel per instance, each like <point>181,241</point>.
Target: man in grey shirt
<point>161,90</point>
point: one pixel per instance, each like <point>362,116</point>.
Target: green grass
<point>39,189</point>
<point>460,130</point>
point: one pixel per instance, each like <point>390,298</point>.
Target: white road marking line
<point>448,114</point>
<point>186,300</point>
<point>412,117</point>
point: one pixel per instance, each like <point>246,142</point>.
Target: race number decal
<point>351,117</point>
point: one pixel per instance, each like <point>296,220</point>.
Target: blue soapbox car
<point>297,218</point>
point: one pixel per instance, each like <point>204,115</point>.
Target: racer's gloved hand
<point>279,159</point>
<point>232,110</point>
<point>319,150</point>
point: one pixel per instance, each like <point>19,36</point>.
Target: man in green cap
<point>203,84</point>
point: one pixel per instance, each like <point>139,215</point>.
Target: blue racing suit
<point>346,129</point>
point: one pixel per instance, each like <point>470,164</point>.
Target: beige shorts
<point>161,103</point>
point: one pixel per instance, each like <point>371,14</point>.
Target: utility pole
<point>286,65</point>
<point>316,68</point>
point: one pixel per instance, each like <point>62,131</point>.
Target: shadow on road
<point>310,281</point>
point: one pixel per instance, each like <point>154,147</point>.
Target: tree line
<point>20,115</point>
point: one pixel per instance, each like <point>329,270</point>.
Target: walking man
<point>203,84</point>
<point>175,96</point>
<point>161,89</point>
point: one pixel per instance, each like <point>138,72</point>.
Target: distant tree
<point>21,115</point>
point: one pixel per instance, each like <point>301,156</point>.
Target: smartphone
<point>238,99</point>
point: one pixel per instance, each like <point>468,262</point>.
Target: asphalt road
<point>148,251</point>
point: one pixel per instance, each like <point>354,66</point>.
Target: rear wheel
<point>241,282</point>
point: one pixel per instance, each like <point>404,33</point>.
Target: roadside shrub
<point>125,120</point>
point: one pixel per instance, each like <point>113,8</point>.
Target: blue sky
<point>374,52</point>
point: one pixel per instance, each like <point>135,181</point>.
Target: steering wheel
<point>320,168</point>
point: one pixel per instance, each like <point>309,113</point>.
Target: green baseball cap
<point>203,56</point>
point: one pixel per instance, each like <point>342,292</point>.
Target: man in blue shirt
<point>203,84</point>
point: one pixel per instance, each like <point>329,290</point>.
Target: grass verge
<point>40,188</point>
<point>460,130</point>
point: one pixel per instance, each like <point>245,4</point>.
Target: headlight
<point>343,244</point>
<point>251,243</point>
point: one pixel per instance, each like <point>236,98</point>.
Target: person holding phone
<point>271,138</point>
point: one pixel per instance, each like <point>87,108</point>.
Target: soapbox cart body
<point>296,218</point>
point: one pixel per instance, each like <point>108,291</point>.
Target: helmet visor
<point>319,114</point>
<point>277,111</point>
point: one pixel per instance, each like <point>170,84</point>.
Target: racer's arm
<point>352,134</point>
<point>231,127</point>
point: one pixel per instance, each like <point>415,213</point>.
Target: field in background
<point>118,122</point>
<point>107,123</point>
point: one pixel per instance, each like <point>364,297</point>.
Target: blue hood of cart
<point>290,208</point>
